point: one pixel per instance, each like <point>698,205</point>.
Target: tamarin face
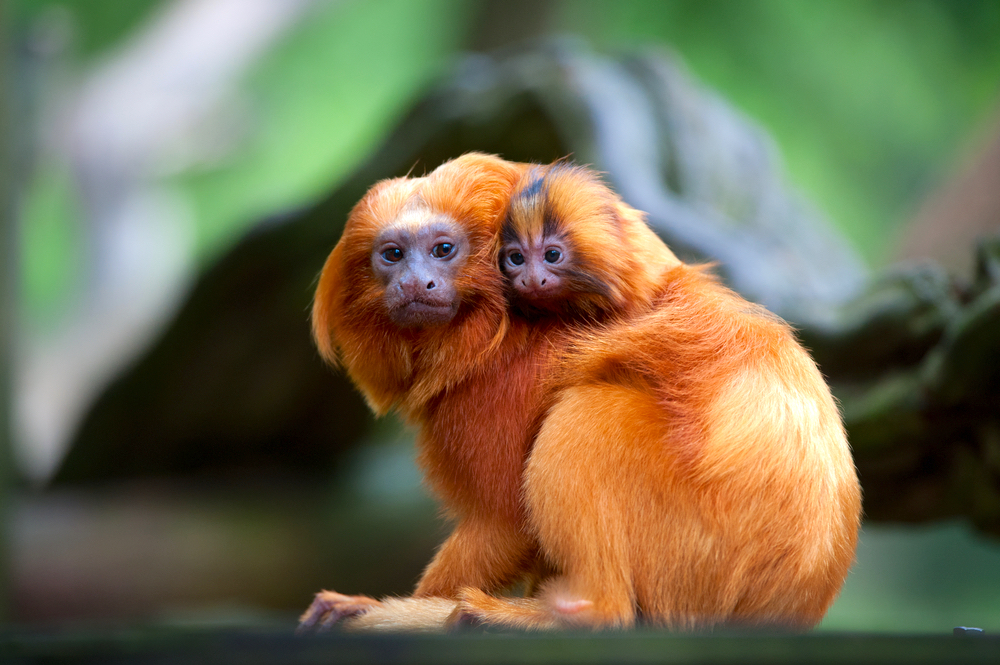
<point>411,298</point>
<point>559,234</point>
<point>570,246</point>
<point>537,266</point>
<point>417,260</point>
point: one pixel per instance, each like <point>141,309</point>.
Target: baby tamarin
<point>571,247</point>
<point>692,469</point>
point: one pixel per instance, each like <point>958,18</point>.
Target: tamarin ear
<point>330,284</point>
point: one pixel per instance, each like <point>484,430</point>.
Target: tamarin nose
<point>430,285</point>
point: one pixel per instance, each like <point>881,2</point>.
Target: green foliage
<point>321,99</point>
<point>50,246</point>
<point>316,103</point>
<point>50,239</point>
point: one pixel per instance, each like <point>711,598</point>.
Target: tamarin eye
<point>552,255</point>
<point>393,255</point>
<point>516,258</point>
<point>441,250</point>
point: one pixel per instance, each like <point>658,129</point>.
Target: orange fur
<point>651,447</point>
<point>693,470</point>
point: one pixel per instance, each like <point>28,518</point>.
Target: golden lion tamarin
<point>631,437</point>
<point>411,302</point>
<point>693,469</point>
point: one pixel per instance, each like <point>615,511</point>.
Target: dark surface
<point>194,645</point>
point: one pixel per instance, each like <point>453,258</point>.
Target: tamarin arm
<point>482,552</point>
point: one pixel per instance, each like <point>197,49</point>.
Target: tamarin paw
<point>329,607</point>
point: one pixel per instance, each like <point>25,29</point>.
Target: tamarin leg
<point>758,529</point>
<point>594,486</point>
<point>478,608</point>
<point>480,553</point>
<point>595,481</point>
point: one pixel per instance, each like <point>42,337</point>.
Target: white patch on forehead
<point>413,220</point>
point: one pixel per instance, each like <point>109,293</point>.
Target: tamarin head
<point>570,245</point>
<point>413,279</point>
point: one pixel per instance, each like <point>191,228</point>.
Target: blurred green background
<point>872,105</point>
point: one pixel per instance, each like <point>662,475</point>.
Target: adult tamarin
<point>693,469</point>
<point>412,303</point>
<point>637,499</point>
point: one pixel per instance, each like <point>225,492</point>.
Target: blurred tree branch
<point>502,24</point>
<point>916,368</point>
